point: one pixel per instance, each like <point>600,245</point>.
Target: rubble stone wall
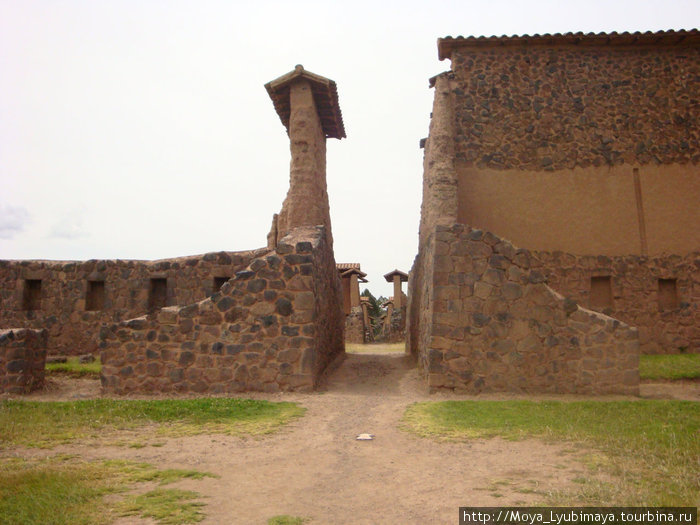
<point>558,107</point>
<point>62,307</point>
<point>497,326</point>
<point>355,326</point>
<point>481,319</point>
<point>635,294</point>
<point>580,148</point>
<point>22,360</point>
<point>438,206</point>
<point>274,326</point>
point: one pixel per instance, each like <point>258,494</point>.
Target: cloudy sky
<point>141,129</point>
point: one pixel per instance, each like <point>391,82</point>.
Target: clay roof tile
<point>671,37</point>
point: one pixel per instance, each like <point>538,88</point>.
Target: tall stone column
<point>308,107</point>
<point>397,277</point>
<point>397,290</point>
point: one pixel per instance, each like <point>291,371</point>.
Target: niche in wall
<point>95,296</point>
<point>158,293</point>
<point>601,292</point>
<point>31,296</point>
<point>668,294</point>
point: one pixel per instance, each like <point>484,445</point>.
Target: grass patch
<point>45,424</point>
<point>375,348</point>
<point>286,520</point>
<point>166,506</point>
<point>63,490</point>
<point>74,368</point>
<point>669,366</point>
<point>651,448</point>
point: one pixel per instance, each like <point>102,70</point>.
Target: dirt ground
<point>315,467</point>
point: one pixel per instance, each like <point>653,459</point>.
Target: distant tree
<point>376,310</point>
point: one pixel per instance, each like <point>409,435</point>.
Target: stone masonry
<point>496,326</point>
<point>633,293</point>
<point>277,324</point>
<point>274,326</point>
<point>22,360</point>
<point>480,317</point>
<point>564,101</point>
<point>68,307</point>
<point>585,150</point>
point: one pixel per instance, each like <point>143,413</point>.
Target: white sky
<point>142,130</point>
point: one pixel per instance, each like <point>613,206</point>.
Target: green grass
<point>46,424</point>
<point>166,506</point>
<point>286,520</point>
<point>651,448</point>
<point>74,368</point>
<point>669,366</point>
<point>63,490</point>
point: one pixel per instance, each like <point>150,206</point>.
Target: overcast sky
<point>141,129</point>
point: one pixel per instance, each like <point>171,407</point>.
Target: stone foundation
<point>72,308</point>
<point>274,326</point>
<point>22,360</point>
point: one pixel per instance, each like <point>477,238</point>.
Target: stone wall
<point>63,306</point>
<point>355,326</point>
<point>497,326</point>
<point>556,107</point>
<point>306,203</point>
<point>480,318</point>
<point>274,326</point>
<point>394,325</point>
<point>630,290</point>
<point>586,145</point>
<point>22,360</point>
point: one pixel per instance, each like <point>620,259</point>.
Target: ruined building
<point>559,237</point>
<point>570,160</point>
<point>269,319</point>
<point>357,327</point>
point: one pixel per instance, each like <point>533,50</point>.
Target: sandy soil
<point>316,468</point>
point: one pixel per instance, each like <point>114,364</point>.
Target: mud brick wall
<point>498,327</point>
<point>274,326</point>
<point>635,296</point>
<point>61,306</point>
<point>22,360</point>
<point>551,108</point>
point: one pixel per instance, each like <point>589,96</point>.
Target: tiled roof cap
<point>390,276</point>
<point>667,38</point>
<point>325,95</point>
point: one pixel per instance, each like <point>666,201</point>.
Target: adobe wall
<point>72,327</point>
<point>274,326</point>
<point>547,139</point>
<point>22,360</point>
<point>635,297</point>
<point>592,210</point>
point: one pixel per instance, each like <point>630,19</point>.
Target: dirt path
<point>315,467</point>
